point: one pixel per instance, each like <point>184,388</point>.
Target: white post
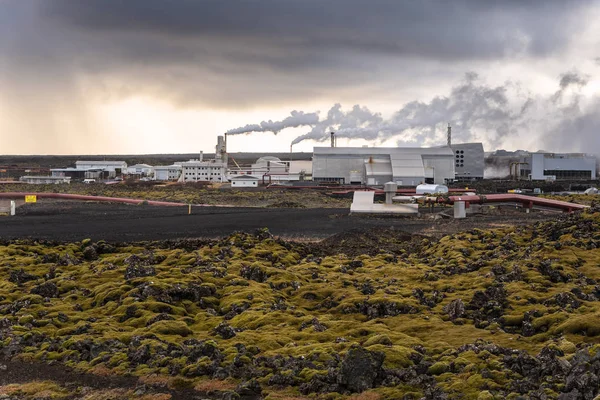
<point>459,209</point>
<point>13,207</point>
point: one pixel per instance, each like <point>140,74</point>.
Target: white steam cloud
<point>296,119</point>
<point>476,111</point>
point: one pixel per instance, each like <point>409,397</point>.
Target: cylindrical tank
<point>390,191</point>
<point>430,189</point>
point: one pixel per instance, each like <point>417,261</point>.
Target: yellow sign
<point>30,198</point>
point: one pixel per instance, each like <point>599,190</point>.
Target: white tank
<point>430,189</point>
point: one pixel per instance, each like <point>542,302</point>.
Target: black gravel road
<point>74,221</point>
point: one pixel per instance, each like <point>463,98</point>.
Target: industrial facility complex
<point>366,166</point>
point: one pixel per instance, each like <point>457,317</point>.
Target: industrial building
<point>468,161</point>
<point>80,174</point>
<point>408,166</point>
<point>554,166</point>
<point>45,180</point>
<point>167,172</point>
<point>114,168</point>
<point>140,169</point>
<point>214,170</point>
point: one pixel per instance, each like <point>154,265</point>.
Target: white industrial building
<point>203,171</point>
<point>140,169</point>
<point>113,168</point>
<point>207,171</point>
<point>167,172</point>
<point>554,166</point>
<point>408,166</point>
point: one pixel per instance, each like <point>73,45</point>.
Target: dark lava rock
<point>20,276</point>
<point>360,369</point>
<point>488,305</point>
<point>563,300</point>
<point>68,259</point>
<point>318,327</point>
<point>381,309</point>
<point>367,289</point>
<point>553,273</point>
<point>139,271</point>
<point>140,356</point>
<point>254,273</point>
<point>580,294</point>
<point>159,317</point>
<point>48,289</point>
<point>90,253</point>
<point>192,292</point>
<point>5,324</point>
<point>455,309</point>
<point>430,301</point>
<point>130,312</point>
<point>62,317</point>
<point>249,388</point>
<point>224,330</point>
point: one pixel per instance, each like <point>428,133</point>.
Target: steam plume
<point>296,119</point>
<point>477,112</point>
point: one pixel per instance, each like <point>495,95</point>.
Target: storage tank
<point>431,188</point>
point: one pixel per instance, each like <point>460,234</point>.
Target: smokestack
<point>332,139</point>
<point>291,154</point>
<point>449,135</point>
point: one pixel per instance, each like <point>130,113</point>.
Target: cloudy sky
<point>158,76</point>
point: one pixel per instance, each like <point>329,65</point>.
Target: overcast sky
<point>158,76</point>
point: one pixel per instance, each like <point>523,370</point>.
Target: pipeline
<point>526,201</point>
<point>67,196</point>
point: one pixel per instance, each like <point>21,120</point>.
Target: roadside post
<point>13,208</point>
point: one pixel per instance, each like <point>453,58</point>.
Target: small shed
<point>244,181</point>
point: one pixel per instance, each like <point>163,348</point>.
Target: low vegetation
<point>191,193</point>
<point>482,314</point>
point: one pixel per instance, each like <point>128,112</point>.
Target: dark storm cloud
<point>59,56</point>
<point>453,30</point>
<point>233,54</point>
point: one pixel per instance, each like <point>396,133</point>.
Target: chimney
<point>332,139</point>
<point>201,156</point>
<point>449,135</point>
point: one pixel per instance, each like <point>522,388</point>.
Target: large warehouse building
<point>407,166</point>
<point>553,166</point>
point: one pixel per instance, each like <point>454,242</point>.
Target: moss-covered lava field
<point>509,313</point>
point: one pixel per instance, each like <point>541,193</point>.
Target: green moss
<point>439,368</point>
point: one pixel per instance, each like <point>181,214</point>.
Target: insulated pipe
<point>67,196</point>
<point>526,201</point>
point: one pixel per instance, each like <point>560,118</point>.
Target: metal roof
<point>101,162</point>
<point>445,150</point>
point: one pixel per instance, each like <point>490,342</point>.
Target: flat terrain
<point>74,221</point>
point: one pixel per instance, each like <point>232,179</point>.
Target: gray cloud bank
<point>59,56</point>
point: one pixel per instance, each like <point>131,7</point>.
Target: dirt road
<point>73,221</point>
